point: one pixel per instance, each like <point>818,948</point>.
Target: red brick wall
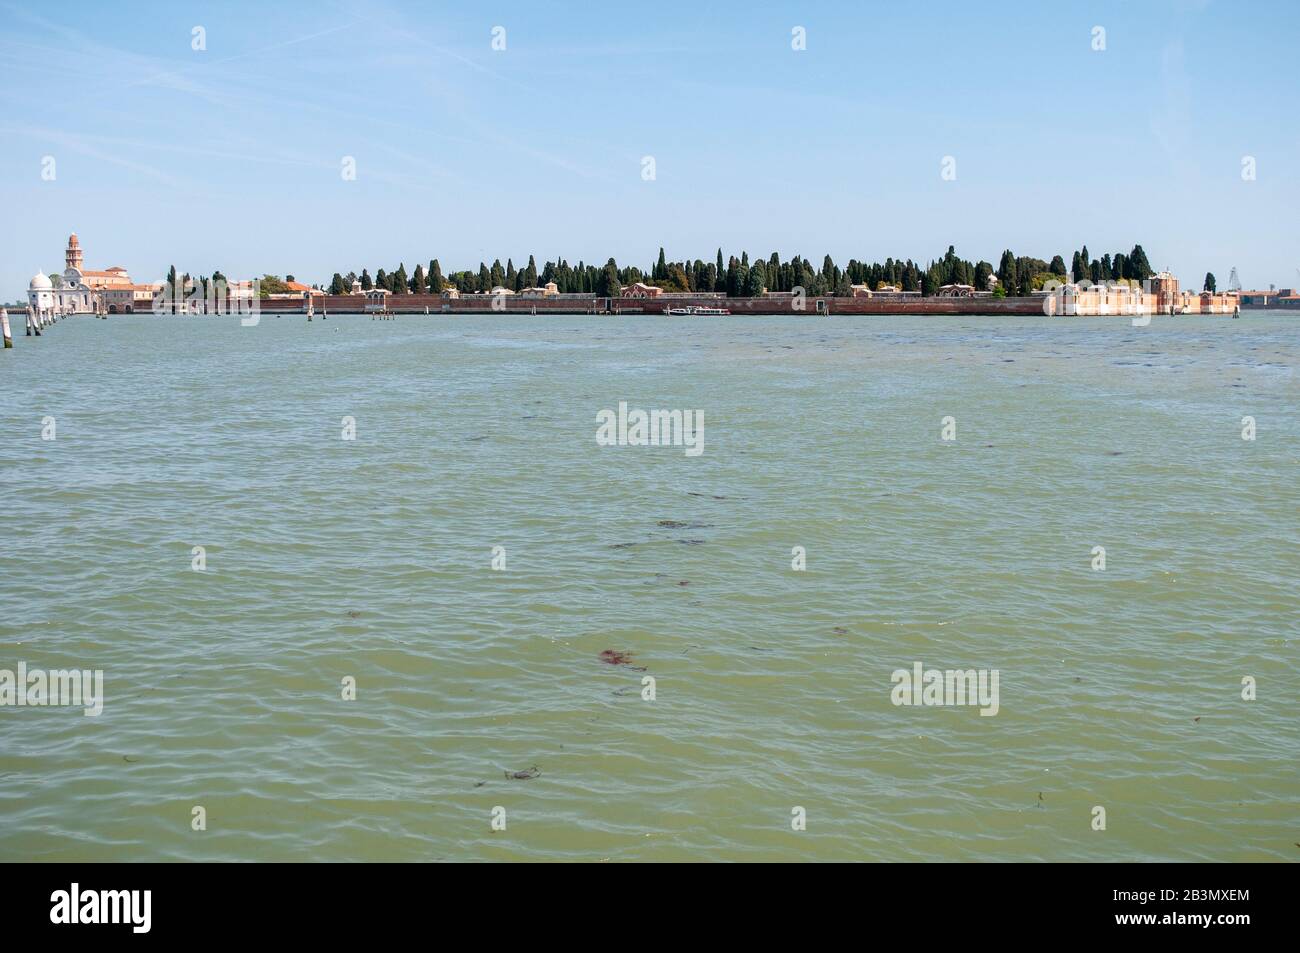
<point>482,304</point>
<point>845,305</point>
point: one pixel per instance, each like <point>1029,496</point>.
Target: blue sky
<point>231,157</point>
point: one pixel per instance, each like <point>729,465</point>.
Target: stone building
<point>79,290</point>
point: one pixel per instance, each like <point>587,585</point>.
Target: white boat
<point>693,311</point>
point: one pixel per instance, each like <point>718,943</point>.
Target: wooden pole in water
<point>29,320</point>
<point>4,328</point>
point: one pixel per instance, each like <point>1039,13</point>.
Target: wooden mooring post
<point>4,328</point>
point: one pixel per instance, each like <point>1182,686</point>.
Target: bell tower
<point>73,256</point>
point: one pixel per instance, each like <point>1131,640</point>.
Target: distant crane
<point>1234,283</point>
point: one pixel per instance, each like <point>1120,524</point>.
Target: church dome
<point>39,282</point>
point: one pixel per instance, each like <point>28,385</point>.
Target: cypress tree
<point>1007,277</point>
<point>609,285</point>
<point>1122,267</point>
<point>1140,266</point>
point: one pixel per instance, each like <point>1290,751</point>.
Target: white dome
<point>39,283</point>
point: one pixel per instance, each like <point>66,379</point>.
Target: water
<point>372,558</point>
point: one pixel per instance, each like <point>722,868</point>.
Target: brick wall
<point>482,304</point>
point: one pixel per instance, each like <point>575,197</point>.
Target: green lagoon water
<point>372,559</point>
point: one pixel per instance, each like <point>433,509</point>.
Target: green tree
<point>735,279</point>
<point>1026,284</point>
<point>337,286</point>
<point>1210,284</point>
<point>436,282</point>
<point>676,279</point>
<point>609,286</point>
<point>931,280</point>
<point>1007,277</point>
<point>1138,264</point>
<point>418,284</point>
<point>366,282</point>
<point>270,285</point>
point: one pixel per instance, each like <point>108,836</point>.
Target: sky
<point>234,156</point>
